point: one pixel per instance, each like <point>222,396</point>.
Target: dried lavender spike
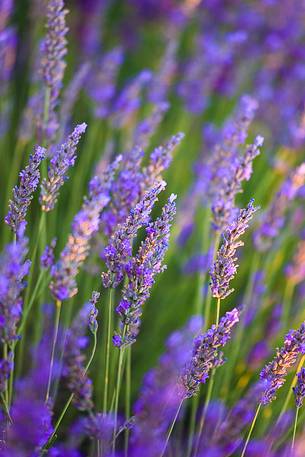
<point>275,372</point>
<point>141,271</point>
<point>62,160</point>
<point>206,354</point>
<point>84,226</point>
<point>13,269</point>
<point>299,389</point>
<point>54,48</point>
<point>273,219</point>
<point>93,312</point>
<point>119,249</point>
<point>146,128</point>
<point>23,194</point>
<point>225,266</point>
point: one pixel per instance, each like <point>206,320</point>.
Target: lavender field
<point>152,265</point>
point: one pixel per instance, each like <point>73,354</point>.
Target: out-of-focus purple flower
<point>23,193</point>
<point>100,426</point>
<point>225,267</point>
<point>6,366</point>
<point>295,271</point>
<point>47,257</point>
<point>206,354</point>
<point>74,370</point>
<point>63,158</point>
<point>119,249</point>
<point>158,400</point>
<point>199,263</point>
<point>102,81</point>
<point>146,128</point>
<point>8,44</point>
<point>274,323</point>
<point>13,269</point>
<point>90,19</point>
<point>258,291</point>
<point>129,100</point>
<point>141,271</point>
<point>54,49</point>
<point>84,226</point>
<point>162,80</point>
<point>273,219</point>
<point>275,372</point>
<point>258,353</point>
<point>299,389</point>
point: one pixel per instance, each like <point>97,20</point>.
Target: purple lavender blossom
<point>146,128</point>
<point>161,81</point>
<point>23,194</point>
<point>299,389</point>
<point>100,426</point>
<point>47,257</point>
<point>275,372</point>
<point>225,267</point>
<point>6,366</point>
<point>62,160</point>
<point>74,370</point>
<point>13,269</point>
<point>102,81</point>
<point>141,271</point>
<point>129,100</point>
<point>118,251</point>
<point>206,354</point>
<point>158,400</point>
<point>54,48</point>
<point>274,218</point>
<point>84,226</point>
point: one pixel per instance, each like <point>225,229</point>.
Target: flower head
<point>299,389</point>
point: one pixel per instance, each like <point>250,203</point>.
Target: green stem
<point>250,431</point>
<point>294,429</point>
<point>217,312</point>
<point>127,397</point>
<point>288,294</point>
<point>170,431</point>
<point>108,346</point>
<point>5,354</point>
<point>6,408</point>
<point>204,412</point>
<point>68,403</point>
<point>56,327</point>
<point>117,392</point>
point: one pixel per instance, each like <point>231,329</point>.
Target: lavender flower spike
<point>206,354</point>
<point>225,266</point>
<point>141,271</point>
<point>54,48</point>
<point>299,389</point>
<point>119,250</point>
<point>13,269</point>
<point>85,225</point>
<point>63,159</point>
<point>274,373</point>
<point>23,194</point>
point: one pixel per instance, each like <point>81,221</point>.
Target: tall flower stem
<point>56,327</point>
<point>127,397</point>
<point>294,429</point>
<point>217,312</point>
<point>250,431</point>
<point>117,389</point>
<point>5,354</point>
<point>170,431</point>
<point>292,385</point>
<point>209,293</point>
<point>69,401</point>
<point>108,346</point>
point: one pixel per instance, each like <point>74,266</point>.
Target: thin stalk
<point>288,294</point>
<point>6,409</point>
<point>170,431</point>
<point>194,407</point>
<point>204,412</point>
<point>5,383</point>
<point>292,385</point>
<point>294,429</point>
<point>209,293</point>
<point>217,312</point>
<point>68,403</point>
<point>56,327</point>
<point>127,397</point>
<point>108,346</point>
<point>250,431</point>
<point>117,394</point>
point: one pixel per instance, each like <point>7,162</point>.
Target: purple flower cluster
<point>119,249</point>
<point>84,226</point>
<point>63,158</point>
<point>275,372</point>
<point>74,370</point>
<point>299,389</point>
<point>141,271</point>
<point>274,218</point>
<point>206,353</point>
<point>146,128</point>
<point>23,193</point>
<point>54,48</point>
<point>225,266</point>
